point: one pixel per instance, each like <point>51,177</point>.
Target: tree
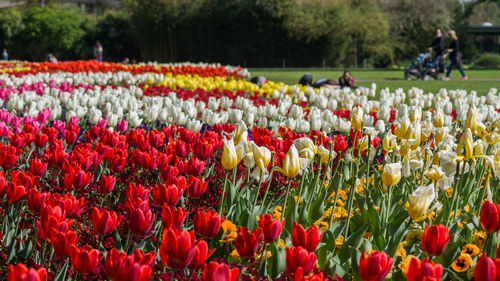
<point>10,25</point>
<point>50,30</point>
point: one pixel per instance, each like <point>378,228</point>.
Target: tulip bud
<point>465,147</point>
<point>435,240</point>
<point>291,163</point>
<point>486,269</point>
<point>207,224</point>
<point>391,175</point>
<point>374,267</point>
<point>420,201</point>
<point>271,228</point>
<point>247,243</point>
<point>307,239</point>
<point>423,270</point>
<point>490,217</point>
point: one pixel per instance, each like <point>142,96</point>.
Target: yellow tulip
<point>465,147</point>
<point>434,173</point>
<point>391,175</point>
<point>232,155</point>
<point>441,134</point>
<point>416,131</point>
<point>305,147</point>
<point>357,118</point>
<point>389,142</point>
<point>241,132</point>
<point>438,120</point>
<point>420,201</point>
<point>402,130</point>
<point>262,157</point>
<point>416,115</point>
<point>291,163</point>
<point>471,120</point>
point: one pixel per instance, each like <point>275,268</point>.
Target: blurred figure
<point>126,60</point>
<point>51,58</point>
<point>259,80</point>
<point>346,80</point>
<point>437,45</point>
<point>455,55</point>
<point>5,55</point>
<point>98,51</point>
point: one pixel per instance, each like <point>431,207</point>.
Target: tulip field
<point>190,172</point>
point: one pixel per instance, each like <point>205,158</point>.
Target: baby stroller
<point>424,66</point>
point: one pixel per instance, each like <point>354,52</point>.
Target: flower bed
<point>189,172</point>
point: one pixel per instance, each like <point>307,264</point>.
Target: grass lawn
<point>479,80</point>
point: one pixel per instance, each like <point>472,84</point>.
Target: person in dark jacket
<point>437,45</point>
<point>455,55</point>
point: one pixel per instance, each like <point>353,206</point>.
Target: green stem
<point>223,192</point>
<point>349,206</point>
<point>258,191</point>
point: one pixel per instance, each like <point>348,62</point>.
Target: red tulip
<point>196,188</point>
<point>15,193</point>
<point>207,224</point>
<point>38,167</point>
<point>62,239</point>
<point>203,150</point>
<point>435,240</point>
<point>3,184</point>
<point>107,184</point>
<point>298,257</point>
<point>247,243</point>
<point>155,138</point>
<point>307,239</point>
<point>181,149</point>
<point>200,255</point>
<point>169,174</point>
<point>72,206</point>
<point>195,167</point>
<point>167,194</point>
<point>485,269</point>
<point>141,219</point>
<point>214,271</point>
<point>173,217</point>
<point>490,217</point>
<point>299,275</point>
<point>137,191</point>
<point>424,270</point>
<point>375,267</point>
<point>177,248</point>
<point>85,259</point>
<point>104,222</point>
<point>136,267</point>
<point>36,199</point>
<point>20,272</point>
<point>50,218</point>
<point>271,228</point>
<point>41,140</point>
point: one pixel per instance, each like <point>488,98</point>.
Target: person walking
<point>98,51</point>
<point>455,56</point>
<point>437,45</point>
<point>5,55</point>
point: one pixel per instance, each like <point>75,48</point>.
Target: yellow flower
<point>262,158</point>
<point>389,143</point>
<point>291,163</point>
<point>405,264</point>
<point>282,244</point>
<point>357,118</point>
<point>401,252</point>
<point>277,213</point>
<point>470,272</point>
<point>441,134</point>
<point>325,154</point>
<point>434,173</point>
<point>479,238</point>
<point>391,174</point>
<point>241,132</point>
<point>438,120</point>
<point>420,201</point>
<point>403,130</point>
<point>232,155</point>
<point>340,241</point>
<point>234,254</point>
<point>471,120</point>
<point>471,249</point>
<point>323,226</point>
<point>414,236</point>
<point>228,226</point>
<point>465,147</point>
<point>462,263</point>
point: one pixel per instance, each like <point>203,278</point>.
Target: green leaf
<point>26,251</point>
<point>352,244</point>
<point>118,240</point>
<point>277,262</point>
<point>61,275</point>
